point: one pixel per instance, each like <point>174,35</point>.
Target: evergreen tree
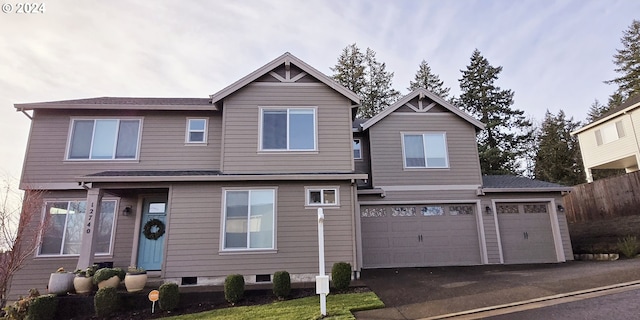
<point>627,61</point>
<point>364,75</point>
<point>596,111</point>
<point>504,140</point>
<point>558,157</point>
<point>426,79</point>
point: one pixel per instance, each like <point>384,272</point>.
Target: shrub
<point>43,307</point>
<point>106,301</point>
<point>281,284</point>
<point>341,275</point>
<point>106,273</point>
<point>18,310</point>
<point>169,296</point>
<point>628,246</point>
<point>233,288</point>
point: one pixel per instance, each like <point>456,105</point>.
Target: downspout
<point>25,113</point>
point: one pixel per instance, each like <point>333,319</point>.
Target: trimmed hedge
<point>341,275</point>
<point>43,307</point>
<point>169,296</point>
<point>234,288</point>
<point>106,302</point>
<point>281,284</point>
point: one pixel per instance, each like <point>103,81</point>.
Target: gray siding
<point>241,130</point>
<point>36,270</point>
<point>491,238</point>
<point>193,242</point>
<point>386,150</point>
<point>162,145</point>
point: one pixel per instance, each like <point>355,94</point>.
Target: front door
<point>152,233</point>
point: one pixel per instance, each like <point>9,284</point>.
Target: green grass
<point>339,306</point>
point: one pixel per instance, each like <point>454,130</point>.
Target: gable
<point>285,69</point>
<point>422,101</point>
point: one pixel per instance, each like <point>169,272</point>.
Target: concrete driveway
<point>414,293</point>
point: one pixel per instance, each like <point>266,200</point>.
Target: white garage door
<point>419,235</point>
<point>525,232</point>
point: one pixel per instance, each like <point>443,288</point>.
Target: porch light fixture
<point>560,208</point>
<point>488,209</point>
<point>126,211</point>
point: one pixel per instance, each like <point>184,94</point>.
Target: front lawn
<point>339,306</point>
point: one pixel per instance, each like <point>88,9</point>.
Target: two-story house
<point>197,189</point>
<point>613,141</point>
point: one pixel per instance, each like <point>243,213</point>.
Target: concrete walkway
<point>446,292</point>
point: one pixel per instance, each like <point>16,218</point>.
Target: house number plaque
<point>90,216</point>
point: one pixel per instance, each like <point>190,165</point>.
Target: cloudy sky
<point>555,54</point>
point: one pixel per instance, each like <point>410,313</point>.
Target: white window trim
<point>62,256</point>
<point>287,108</point>
<point>360,144</point>
<point>273,249</point>
<point>307,193</point>
<point>446,150</point>
<point>205,132</point>
<point>70,133</point>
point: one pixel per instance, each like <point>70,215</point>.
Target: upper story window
<point>609,133</point>
<point>104,139</point>
<point>425,150</point>
<point>66,223</point>
<point>249,217</point>
<point>322,196</point>
<point>197,130</point>
<point>288,129</point>
<point>357,149</point>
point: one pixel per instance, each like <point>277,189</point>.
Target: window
<point>66,221</point>
<point>609,133</point>
<point>427,150</point>
<point>292,129</point>
<point>196,130</point>
<point>249,219</point>
<point>320,197</point>
<point>104,139</point>
<point>357,149</point>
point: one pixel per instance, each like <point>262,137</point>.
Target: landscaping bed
<point>138,306</point>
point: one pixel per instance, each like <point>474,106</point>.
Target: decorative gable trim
<point>421,93</point>
<point>287,59</point>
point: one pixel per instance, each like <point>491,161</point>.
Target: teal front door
<point>152,233</point>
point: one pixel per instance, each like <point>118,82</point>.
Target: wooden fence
<point>604,199</point>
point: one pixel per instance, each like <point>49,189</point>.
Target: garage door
<point>525,232</point>
<point>419,235</point>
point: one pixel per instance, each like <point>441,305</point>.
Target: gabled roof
<point>511,183</point>
<point>629,105</point>
<point>287,58</point>
<point>421,92</point>
<point>115,103</point>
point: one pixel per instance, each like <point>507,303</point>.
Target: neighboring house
<point>196,189</point>
<point>612,142</point>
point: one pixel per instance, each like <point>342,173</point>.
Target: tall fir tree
<point>503,142</point>
<point>364,75</point>
<point>596,111</point>
<point>627,61</point>
<point>558,157</point>
<point>425,78</point>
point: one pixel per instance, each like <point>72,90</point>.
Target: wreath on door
<point>153,229</point>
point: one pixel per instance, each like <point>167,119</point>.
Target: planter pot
<point>135,282</point>
<point>61,282</point>
<point>113,282</point>
<point>83,284</point>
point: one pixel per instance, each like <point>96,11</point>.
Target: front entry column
<point>91,218</point>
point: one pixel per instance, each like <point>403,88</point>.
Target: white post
<point>322,280</point>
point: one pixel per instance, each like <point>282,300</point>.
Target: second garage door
<point>419,235</point>
<point>525,232</point>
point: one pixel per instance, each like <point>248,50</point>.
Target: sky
<point>555,54</point>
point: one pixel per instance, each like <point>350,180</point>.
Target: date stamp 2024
<point>23,8</point>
